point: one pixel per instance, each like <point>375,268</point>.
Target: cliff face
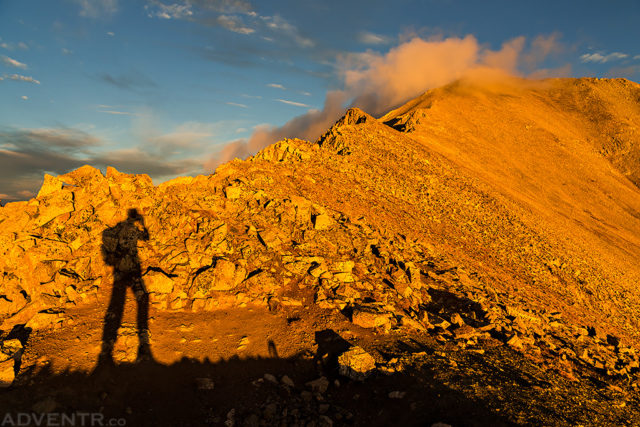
<point>506,212</point>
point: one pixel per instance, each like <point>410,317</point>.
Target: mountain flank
<point>470,258</point>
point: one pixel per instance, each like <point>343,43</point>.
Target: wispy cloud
<point>12,46</point>
<point>129,81</point>
<point>235,104</point>
<point>297,104</point>
<point>602,58</point>
<point>24,97</point>
<point>21,78</point>
<point>118,113</point>
<point>234,15</point>
<point>66,51</point>
<point>367,37</point>
<point>279,25</point>
<point>302,92</point>
<point>169,11</point>
<point>111,33</point>
<point>235,24</point>
<point>97,8</point>
<point>636,57</point>
<point>13,62</point>
<point>244,95</point>
<point>277,86</point>
<point>27,154</point>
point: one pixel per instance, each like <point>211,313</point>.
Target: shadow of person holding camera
<point>120,250</point>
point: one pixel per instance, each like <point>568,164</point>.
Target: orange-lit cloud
<point>378,82</point>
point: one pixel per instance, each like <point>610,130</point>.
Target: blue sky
<point>161,86</point>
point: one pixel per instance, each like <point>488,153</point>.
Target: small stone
<point>205,384</point>
<point>356,364</point>
<point>9,349</point>
<point>516,342</point>
<point>271,378</point>
<point>438,321</point>
<point>232,192</point>
<point>319,385</point>
<point>456,319</point>
<point>287,381</point>
<point>397,394</point>
<point>7,373</point>
<point>368,318</point>
<point>44,320</point>
<point>322,222</point>
<point>45,405</point>
<point>465,332</point>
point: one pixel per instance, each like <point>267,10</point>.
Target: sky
<point>176,87</point>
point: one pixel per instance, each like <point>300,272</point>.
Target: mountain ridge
<point>490,217</point>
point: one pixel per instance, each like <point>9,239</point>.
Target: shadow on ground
<point>203,393</point>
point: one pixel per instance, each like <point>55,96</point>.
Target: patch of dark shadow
<point>347,312</point>
<point>54,310</point>
<point>410,346</point>
<point>389,283</point>
<point>159,270</point>
<point>313,265</point>
<point>330,346</point>
<point>396,124</point>
<point>155,394</point>
<point>376,251</point>
<point>262,241</point>
<point>254,273</point>
<point>293,319</point>
<point>447,303</point>
<point>21,333</point>
<point>69,273</point>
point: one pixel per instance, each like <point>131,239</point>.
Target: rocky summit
<point>470,258</point>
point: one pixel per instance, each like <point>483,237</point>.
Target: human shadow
<point>120,250</point>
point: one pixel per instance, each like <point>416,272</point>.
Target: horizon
<point>175,88</point>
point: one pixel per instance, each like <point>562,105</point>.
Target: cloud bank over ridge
<point>378,82</point>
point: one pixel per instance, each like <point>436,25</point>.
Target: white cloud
<point>170,11</point>
<point>233,23</point>
<point>367,37</point>
<point>302,92</point>
<point>598,57</point>
<point>66,51</point>
<point>111,33</point>
<point>277,86</point>
<point>297,104</point>
<point>118,113</point>
<point>235,104</point>
<point>278,24</point>
<point>24,97</point>
<point>244,95</point>
<point>636,57</point>
<point>13,63</point>
<point>20,78</point>
<point>11,46</point>
<point>97,8</point>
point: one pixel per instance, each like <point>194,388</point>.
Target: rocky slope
<point>475,248</point>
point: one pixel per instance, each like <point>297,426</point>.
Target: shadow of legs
<point>112,321</point>
<point>142,298</point>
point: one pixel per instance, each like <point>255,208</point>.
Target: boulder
<point>370,318</point>
<point>158,283</point>
<point>356,364</point>
<point>10,354</point>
